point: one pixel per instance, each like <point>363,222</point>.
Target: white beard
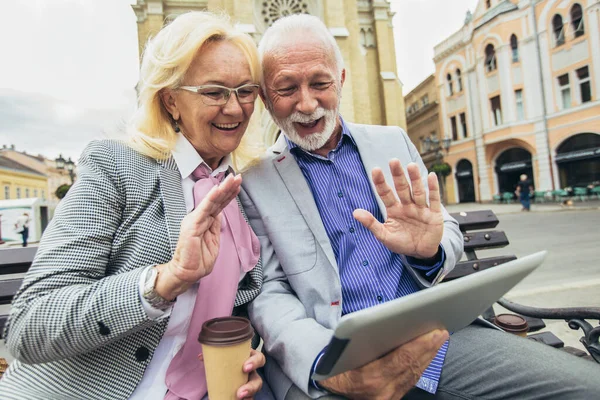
<point>316,140</point>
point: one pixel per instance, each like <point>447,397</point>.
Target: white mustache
<point>305,119</point>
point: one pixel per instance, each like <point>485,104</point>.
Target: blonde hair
<point>165,61</point>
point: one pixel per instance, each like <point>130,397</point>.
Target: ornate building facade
<point>372,92</point>
<point>519,89</point>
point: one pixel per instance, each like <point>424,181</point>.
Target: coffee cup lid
<point>225,331</point>
<point>511,322</point>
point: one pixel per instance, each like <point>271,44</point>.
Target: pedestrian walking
<point>22,227</point>
<point>523,192</point>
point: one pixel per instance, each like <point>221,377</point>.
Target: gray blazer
<point>77,326</point>
<point>300,303</point>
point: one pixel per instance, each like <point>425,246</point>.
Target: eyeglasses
<point>217,95</point>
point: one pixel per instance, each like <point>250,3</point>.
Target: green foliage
<point>441,169</point>
<point>62,190</point>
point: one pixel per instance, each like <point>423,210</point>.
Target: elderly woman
<point>148,222</point>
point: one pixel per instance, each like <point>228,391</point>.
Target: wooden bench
<point>12,261</point>
<point>479,234</point>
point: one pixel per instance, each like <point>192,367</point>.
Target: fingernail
<point>247,367</point>
<point>243,394</point>
<point>440,336</point>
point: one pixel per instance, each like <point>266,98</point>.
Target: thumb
<point>370,222</point>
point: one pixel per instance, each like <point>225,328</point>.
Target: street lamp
<point>69,165</point>
<point>432,144</point>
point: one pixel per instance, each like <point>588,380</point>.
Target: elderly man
<point>334,242</point>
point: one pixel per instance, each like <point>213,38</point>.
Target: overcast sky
<point>68,67</point>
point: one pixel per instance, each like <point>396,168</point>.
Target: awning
<point>578,155</point>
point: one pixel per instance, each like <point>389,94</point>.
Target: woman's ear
<point>167,96</point>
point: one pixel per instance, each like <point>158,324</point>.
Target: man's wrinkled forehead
<point>287,50</point>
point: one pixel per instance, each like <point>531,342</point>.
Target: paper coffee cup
<point>225,347</point>
<point>512,323</point>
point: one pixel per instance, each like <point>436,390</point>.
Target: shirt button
<point>340,194</point>
<point>365,263</point>
<point>379,298</point>
<point>351,229</point>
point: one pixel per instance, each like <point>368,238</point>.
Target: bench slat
<point>475,220</point>
<point>8,288</point>
<point>485,240</point>
<point>465,268</point>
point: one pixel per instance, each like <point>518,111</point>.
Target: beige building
<point>52,176</point>
<point>18,181</point>
<point>519,89</point>
<point>422,115</point>
<point>372,93</point>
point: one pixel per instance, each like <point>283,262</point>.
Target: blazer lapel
<point>294,180</point>
<point>173,200</point>
<point>372,155</point>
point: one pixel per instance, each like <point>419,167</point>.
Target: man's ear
<point>167,97</point>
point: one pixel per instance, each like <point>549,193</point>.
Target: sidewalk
<point>516,207</point>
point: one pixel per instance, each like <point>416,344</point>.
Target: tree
<point>62,190</point>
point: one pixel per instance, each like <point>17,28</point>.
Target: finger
<point>252,387</point>
<point>418,190</point>
<point>218,197</point>
<point>425,347</point>
<point>256,360</point>
<point>435,203</point>
<point>383,189</point>
<point>370,222</point>
<point>400,182</point>
<point>201,357</point>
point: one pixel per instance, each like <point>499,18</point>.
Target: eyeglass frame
<point>195,89</point>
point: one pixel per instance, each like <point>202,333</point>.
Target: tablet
<point>366,335</point>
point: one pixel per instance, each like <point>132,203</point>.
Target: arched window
<point>557,28</point>
<point>488,3</point>
<point>514,45</point>
<point>490,58</point>
<point>459,81</point>
<point>450,88</point>
<point>577,20</point>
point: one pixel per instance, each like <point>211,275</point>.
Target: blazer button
<point>142,354</point>
<point>103,329</point>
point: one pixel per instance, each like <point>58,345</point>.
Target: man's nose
<point>307,103</point>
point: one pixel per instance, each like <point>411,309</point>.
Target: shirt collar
<point>345,132</point>
<point>187,158</point>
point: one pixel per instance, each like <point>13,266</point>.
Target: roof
<point>7,163</point>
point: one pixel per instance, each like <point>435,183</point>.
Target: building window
<point>43,195</point>
<point>450,88</point>
<point>565,90</point>
<point>496,110</point>
<point>459,80</point>
<point>6,192</point>
<point>454,129</point>
<point>35,192</point>
<point>463,124</point>
<point>585,87</point>
<point>488,4</point>
<point>520,109</point>
<point>577,20</point>
<point>514,45</point>
<point>27,193</point>
<point>558,29</point>
<point>490,58</point>
<point>18,193</point>
<point>425,100</point>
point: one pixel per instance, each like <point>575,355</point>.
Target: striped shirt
<point>370,273</point>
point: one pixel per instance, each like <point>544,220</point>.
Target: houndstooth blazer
<point>77,326</point>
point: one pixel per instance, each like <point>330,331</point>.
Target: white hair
<point>288,29</point>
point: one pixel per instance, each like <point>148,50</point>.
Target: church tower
<point>372,92</point>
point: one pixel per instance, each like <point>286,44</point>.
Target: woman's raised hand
<point>199,240</point>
